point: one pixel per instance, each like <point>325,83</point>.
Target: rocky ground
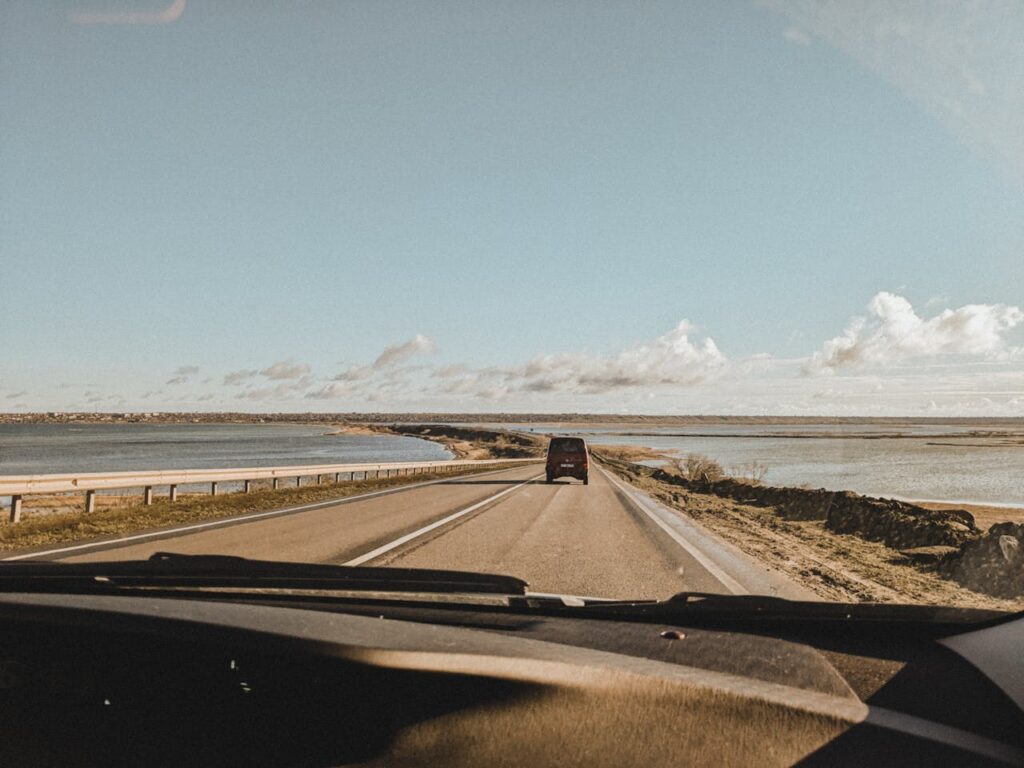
<point>849,547</point>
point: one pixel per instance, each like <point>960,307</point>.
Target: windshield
<point>565,445</point>
<point>324,283</point>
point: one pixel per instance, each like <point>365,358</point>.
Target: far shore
<point>1001,423</point>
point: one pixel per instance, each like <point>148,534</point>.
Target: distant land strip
<point>230,417</point>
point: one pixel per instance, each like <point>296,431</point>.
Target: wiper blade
<point>767,608</point>
<point>168,569</point>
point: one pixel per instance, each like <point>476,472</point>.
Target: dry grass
<point>697,467</point>
<point>835,566</point>
<point>120,515</point>
<point>751,472</point>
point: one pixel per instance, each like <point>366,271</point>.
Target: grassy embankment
<point>837,566</point>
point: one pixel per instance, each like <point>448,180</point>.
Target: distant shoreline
<point>554,419</point>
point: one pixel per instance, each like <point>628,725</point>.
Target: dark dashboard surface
<point>90,683</point>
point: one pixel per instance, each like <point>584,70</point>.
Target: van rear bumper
<point>579,473</point>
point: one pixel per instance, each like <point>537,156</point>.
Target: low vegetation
<point>753,472</point>
<point>698,468</point>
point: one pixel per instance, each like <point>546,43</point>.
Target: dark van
<point>567,457</point>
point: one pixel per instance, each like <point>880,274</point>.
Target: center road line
<point>660,519</point>
<point>385,548</point>
<point>171,532</point>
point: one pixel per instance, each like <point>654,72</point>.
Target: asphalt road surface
<point>604,539</point>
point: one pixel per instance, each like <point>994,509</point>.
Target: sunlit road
<point>566,537</point>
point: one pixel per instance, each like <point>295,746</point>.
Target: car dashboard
<point>141,680</point>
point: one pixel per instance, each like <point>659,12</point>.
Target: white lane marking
<point>658,516</point>
<point>171,532</point>
<point>384,548</point>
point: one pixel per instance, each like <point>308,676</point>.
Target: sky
<point>634,207</point>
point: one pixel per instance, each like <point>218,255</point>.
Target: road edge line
<point>655,514</point>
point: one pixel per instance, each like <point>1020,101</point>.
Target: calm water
<point>45,448</point>
<point>927,461</point>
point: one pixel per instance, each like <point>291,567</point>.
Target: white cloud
<point>355,373</point>
<point>671,359</point>
<point>389,359</point>
<point>397,353</point>
<point>330,391</point>
<point>284,370</point>
<point>240,377</point>
<point>894,333</point>
<point>674,359</point>
<point>450,371</point>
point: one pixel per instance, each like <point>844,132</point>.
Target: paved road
<point>565,537</point>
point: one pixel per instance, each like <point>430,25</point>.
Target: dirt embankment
<point>476,443</point>
<point>851,547</point>
<point>896,524</point>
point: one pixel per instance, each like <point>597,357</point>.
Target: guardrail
<point>19,486</point>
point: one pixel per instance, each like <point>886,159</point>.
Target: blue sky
<point>206,207</point>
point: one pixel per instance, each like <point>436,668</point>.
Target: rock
<point>929,555</point>
<point>1010,548</point>
<point>993,563</point>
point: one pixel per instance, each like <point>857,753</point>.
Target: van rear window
<point>566,444</point>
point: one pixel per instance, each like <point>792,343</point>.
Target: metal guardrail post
<point>15,508</point>
<point>213,489</point>
<point>147,495</point>
<point>90,502</point>
<point>172,492</point>
<point>274,483</point>
<point>246,486</point>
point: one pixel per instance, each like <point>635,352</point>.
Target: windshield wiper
<point>167,569</point>
<point>766,609</point>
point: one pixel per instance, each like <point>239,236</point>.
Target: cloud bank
<point>895,333</point>
<point>673,358</point>
<point>285,370</point>
<point>965,360</point>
